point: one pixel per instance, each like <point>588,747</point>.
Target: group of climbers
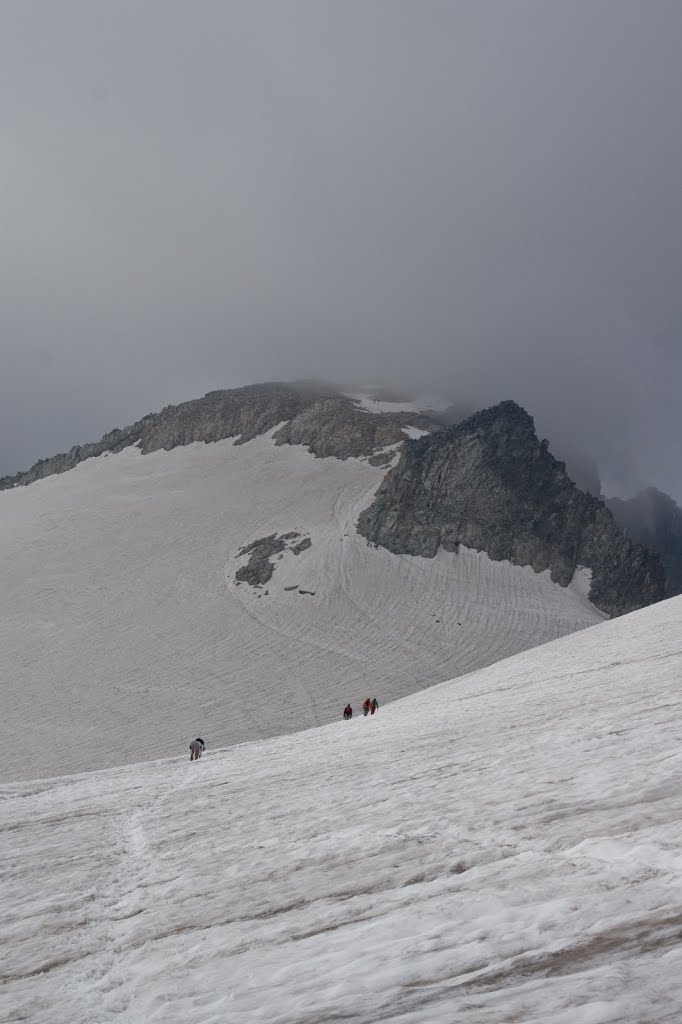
<point>369,706</point>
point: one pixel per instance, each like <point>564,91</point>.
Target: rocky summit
<point>489,483</point>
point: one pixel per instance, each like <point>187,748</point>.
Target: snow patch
<point>414,433</point>
<point>368,404</point>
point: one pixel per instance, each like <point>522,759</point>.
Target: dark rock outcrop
<point>653,518</point>
<point>490,484</point>
<point>315,415</point>
<point>259,569</point>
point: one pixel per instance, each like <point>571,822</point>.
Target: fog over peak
<point>480,200</point>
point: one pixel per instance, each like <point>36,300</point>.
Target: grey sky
<point>483,197</point>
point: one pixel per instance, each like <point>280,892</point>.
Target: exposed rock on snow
<point>302,546</point>
<point>259,569</point>
<point>490,484</point>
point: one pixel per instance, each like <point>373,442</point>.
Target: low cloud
<point>477,199</point>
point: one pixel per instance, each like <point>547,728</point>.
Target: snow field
<point>123,635</point>
<point>503,848</point>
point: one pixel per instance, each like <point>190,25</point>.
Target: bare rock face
<point>490,484</point>
<point>337,427</point>
<point>654,519</point>
<point>259,568</point>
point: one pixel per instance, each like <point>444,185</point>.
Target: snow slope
<point>506,848</point>
<point>122,633</point>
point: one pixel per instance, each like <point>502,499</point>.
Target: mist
<point>480,200</point>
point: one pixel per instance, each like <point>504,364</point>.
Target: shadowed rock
<point>490,484</point>
<point>259,569</point>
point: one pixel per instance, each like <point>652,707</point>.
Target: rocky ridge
<point>490,484</point>
<point>338,427</point>
<point>316,415</point>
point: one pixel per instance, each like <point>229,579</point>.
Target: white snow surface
<point>414,433</point>
<point>366,403</point>
<point>123,634</point>
<point>504,848</point>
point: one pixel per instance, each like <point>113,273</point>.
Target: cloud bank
<point>481,199</point>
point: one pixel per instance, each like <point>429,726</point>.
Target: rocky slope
<point>490,484</point>
<point>654,519</point>
<point>335,426</point>
<point>316,415</point>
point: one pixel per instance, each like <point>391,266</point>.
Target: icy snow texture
<point>506,848</point>
<point>366,403</point>
<point>123,634</point>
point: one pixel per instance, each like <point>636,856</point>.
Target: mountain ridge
<point>486,481</point>
<point>314,414</point>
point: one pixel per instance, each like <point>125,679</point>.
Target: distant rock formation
<point>490,484</point>
<point>653,518</point>
<point>316,415</point>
